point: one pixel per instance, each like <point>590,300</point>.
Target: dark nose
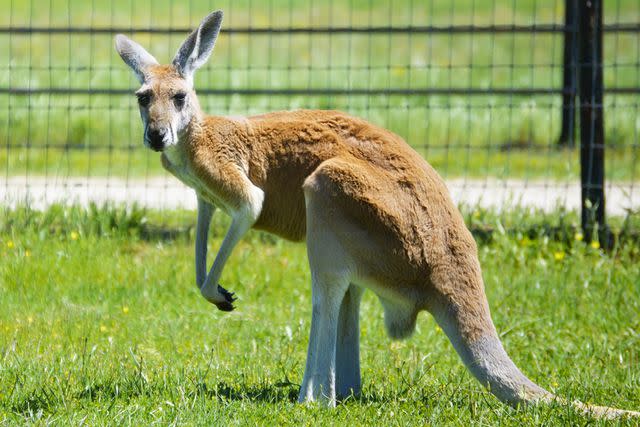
<point>155,140</point>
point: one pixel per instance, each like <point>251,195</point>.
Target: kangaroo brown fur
<point>375,215</point>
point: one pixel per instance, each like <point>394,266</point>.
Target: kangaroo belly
<point>283,214</point>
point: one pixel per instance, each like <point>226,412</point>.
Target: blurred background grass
<point>461,135</point>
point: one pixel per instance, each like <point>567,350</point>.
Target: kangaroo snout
<point>155,139</point>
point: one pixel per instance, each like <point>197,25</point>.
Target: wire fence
<point>478,87</point>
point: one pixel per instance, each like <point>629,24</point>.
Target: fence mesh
<point>475,86</point>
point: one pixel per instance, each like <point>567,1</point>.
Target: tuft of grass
<point>101,324</point>
<point>58,220</point>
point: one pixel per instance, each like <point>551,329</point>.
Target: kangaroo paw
<point>229,297</point>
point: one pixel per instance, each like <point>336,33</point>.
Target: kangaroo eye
<point>178,100</point>
<point>144,99</point>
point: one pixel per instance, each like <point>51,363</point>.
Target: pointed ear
<point>134,55</point>
<point>197,48</point>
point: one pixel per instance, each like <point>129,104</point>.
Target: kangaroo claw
<point>229,297</point>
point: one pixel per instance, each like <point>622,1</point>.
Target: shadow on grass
<point>42,401</point>
<point>266,392</point>
<point>275,392</point>
<point>151,233</point>
<point>47,401</point>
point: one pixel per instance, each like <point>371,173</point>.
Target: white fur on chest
<point>180,169</point>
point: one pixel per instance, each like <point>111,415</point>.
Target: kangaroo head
<point>167,100</point>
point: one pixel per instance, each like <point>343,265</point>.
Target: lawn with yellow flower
<point>101,324</point>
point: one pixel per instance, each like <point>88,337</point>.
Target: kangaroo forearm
<point>243,219</point>
<point>205,212</point>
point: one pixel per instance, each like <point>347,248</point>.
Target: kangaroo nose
<point>155,140</point>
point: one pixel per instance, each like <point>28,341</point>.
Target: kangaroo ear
<point>197,48</point>
<point>134,55</point>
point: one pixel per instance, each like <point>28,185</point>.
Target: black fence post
<point>569,74</point>
<point>592,120</point>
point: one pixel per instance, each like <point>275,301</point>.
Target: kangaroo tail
<point>471,331</point>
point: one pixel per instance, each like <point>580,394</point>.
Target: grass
<point>99,135</point>
<point>101,324</point>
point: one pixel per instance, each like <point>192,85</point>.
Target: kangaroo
<point>375,215</point>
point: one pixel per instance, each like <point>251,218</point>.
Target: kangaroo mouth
<point>156,146</point>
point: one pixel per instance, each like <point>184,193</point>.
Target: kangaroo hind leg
<point>348,344</point>
<point>330,279</point>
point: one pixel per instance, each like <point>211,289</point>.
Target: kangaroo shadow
<point>223,391</point>
<point>282,391</point>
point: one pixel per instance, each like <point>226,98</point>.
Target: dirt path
<point>168,193</point>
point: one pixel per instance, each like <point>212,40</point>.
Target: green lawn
<point>101,135</point>
<point>101,324</point>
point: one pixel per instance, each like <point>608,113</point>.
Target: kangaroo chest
<point>175,161</point>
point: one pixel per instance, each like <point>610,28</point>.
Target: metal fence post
<point>569,74</point>
<point>592,120</point>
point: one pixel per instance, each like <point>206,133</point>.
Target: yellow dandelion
<point>10,244</point>
<point>74,235</point>
<point>27,253</point>
<point>595,244</point>
<point>125,309</point>
<point>103,328</point>
<point>438,329</point>
<point>558,255</point>
<point>578,236</point>
<point>30,319</point>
